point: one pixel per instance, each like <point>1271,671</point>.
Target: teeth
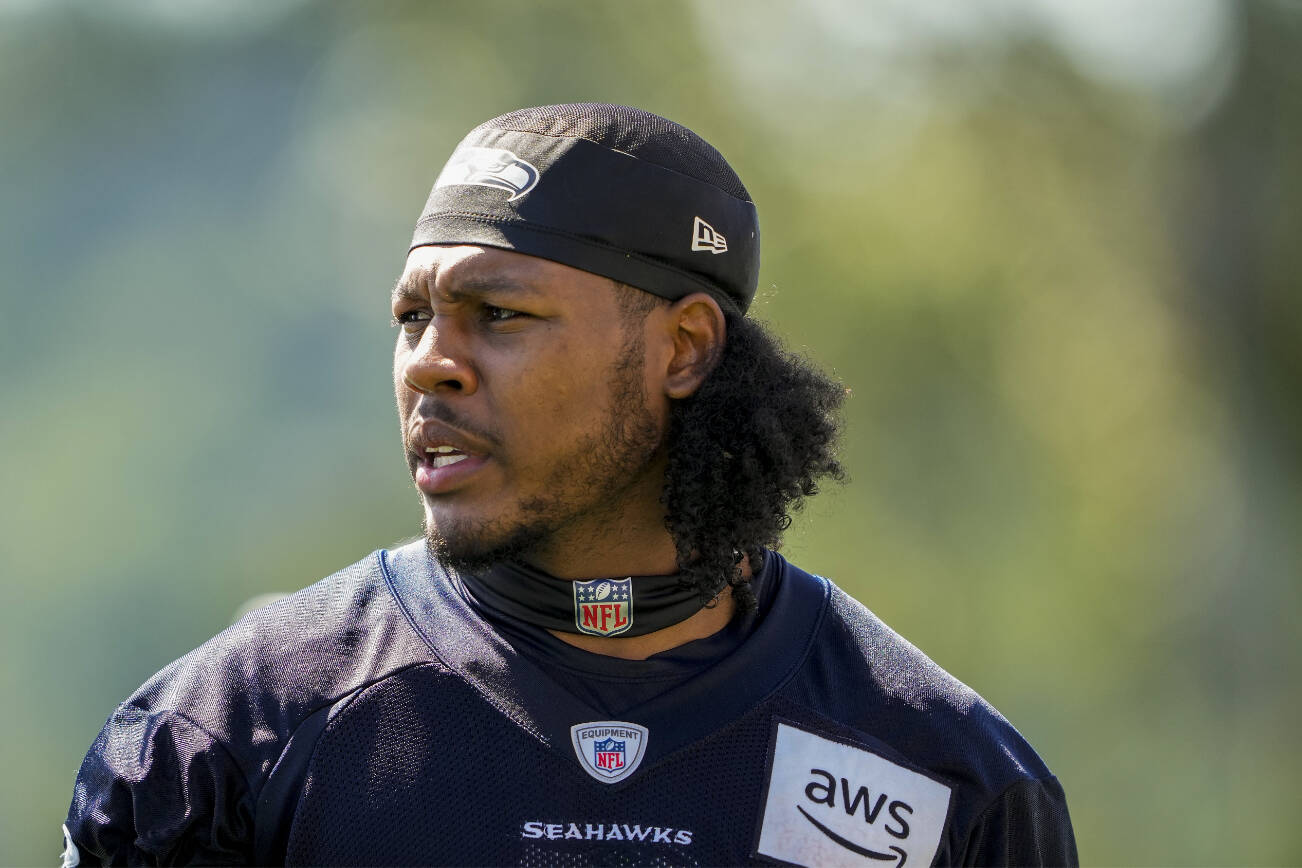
<point>444,456</point>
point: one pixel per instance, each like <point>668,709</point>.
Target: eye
<point>411,320</point>
<point>493,313</point>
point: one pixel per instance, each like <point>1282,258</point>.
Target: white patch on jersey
<point>71,855</point>
<point>609,750</point>
<point>831,803</point>
<point>706,239</point>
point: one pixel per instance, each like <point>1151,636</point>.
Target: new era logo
<point>705,238</point>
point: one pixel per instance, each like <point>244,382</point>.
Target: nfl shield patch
<point>609,750</point>
<point>603,607</point>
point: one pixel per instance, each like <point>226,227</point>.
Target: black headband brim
<point>578,203</point>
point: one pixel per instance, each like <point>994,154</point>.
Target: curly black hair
<point>744,452</point>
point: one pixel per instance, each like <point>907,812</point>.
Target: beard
<point>599,471</point>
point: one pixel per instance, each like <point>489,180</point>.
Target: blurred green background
<point>1051,246</point>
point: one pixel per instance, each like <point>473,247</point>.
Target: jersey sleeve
<point>156,789</point>
<point>1027,824</point>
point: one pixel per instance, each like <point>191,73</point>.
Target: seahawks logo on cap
<point>489,167</point>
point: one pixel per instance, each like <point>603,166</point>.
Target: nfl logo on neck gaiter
<point>603,607</point>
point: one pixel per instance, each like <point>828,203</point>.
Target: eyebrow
<point>473,285</point>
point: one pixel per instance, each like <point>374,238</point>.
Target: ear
<point>698,331</point>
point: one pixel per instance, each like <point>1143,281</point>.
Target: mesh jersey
<point>376,718</point>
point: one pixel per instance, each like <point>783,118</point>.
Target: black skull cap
<point>613,190</point>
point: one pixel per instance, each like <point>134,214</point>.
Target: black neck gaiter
<point>631,606</point>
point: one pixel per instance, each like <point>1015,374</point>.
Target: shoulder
<point>278,664</point>
<point>862,684</point>
<point>862,672</point>
<point>215,723</point>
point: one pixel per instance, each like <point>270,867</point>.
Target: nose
<point>440,361</point>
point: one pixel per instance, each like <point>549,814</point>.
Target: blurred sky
<point>1048,245</point>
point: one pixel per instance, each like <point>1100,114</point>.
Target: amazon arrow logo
<point>852,846</point>
<point>823,790</point>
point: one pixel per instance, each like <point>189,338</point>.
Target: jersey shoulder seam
<point>826,587</point>
<point>438,657</point>
<point>346,698</point>
<point>994,800</point>
<point>176,713</point>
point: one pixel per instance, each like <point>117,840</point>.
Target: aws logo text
<point>832,802</point>
<point>823,789</point>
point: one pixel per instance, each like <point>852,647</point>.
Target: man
<point>594,656</point>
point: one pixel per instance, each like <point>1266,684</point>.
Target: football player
<point>593,655</point>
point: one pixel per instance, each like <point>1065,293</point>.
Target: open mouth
<point>444,456</point>
<point>443,469</point>
<point>443,459</point>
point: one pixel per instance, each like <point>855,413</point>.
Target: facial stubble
<point>596,476</point>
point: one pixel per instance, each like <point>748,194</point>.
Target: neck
<point>626,538</point>
<point>629,540</point>
<point>583,556</point>
<point>706,622</point>
<point>710,620</point>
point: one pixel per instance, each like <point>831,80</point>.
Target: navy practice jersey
<point>377,718</point>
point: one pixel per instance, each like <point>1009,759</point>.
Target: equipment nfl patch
<point>603,607</point>
<point>833,803</point>
<point>609,750</point>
